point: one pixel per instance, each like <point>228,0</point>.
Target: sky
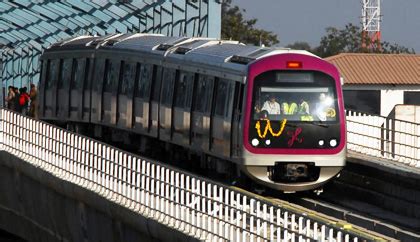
<point>306,20</point>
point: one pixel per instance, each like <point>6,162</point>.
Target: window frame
<point>224,112</point>
<point>203,100</point>
<point>183,99</point>
<point>53,73</point>
<point>167,90</point>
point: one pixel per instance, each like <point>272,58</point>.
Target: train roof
<point>211,52</point>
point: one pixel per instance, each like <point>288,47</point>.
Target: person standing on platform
<point>16,100</point>
<point>10,99</point>
<point>24,100</point>
<point>33,108</point>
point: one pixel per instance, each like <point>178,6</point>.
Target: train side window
<point>145,78</point>
<point>128,77</point>
<point>222,98</point>
<point>79,73</point>
<point>111,76</point>
<point>183,90</point>
<point>100,65</point>
<point>66,72</point>
<point>52,73</point>
<point>204,91</point>
<point>168,79</point>
<point>157,83</point>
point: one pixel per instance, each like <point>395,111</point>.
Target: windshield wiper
<point>320,124</point>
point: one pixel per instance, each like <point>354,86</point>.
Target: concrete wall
<point>38,206</point>
<point>390,98</point>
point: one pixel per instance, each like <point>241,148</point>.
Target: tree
<point>300,45</point>
<point>235,27</point>
<point>349,39</point>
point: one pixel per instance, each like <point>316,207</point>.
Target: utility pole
<point>371,21</point>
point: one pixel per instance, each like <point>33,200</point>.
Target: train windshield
<point>295,96</point>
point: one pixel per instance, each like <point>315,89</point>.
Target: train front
<point>294,126</point>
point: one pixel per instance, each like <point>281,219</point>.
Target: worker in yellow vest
<point>303,107</point>
<point>289,109</point>
<point>304,111</point>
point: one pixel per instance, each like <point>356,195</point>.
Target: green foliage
<point>338,41</point>
<point>335,41</point>
<point>300,45</point>
<point>235,27</point>
<point>349,39</point>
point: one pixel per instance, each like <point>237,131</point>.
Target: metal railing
<point>383,137</point>
<point>191,204</point>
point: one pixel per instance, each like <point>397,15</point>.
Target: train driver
<point>271,105</point>
<point>324,103</point>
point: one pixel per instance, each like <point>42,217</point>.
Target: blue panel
<point>80,4</point>
<point>118,11</point>
<point>45,12</point>
<point>102,15</point>
<point>215,19</point>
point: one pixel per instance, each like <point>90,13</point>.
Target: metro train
<point>273,115</point>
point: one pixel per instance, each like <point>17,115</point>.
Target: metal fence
<point>383,137</point>
<point>191,204</point>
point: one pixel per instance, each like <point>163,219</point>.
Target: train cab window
<point>223,98</point>
<point>145,79</point>
<point>168,80</point>
<point>52,73</point>
<point>79,73</point>
<point>111,76</point>
<point>203,96</point>
<point>128,77</point>
<point>66,73</point>
<point>183,87</point>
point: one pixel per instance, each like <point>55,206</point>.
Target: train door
<point>236,120</point>
<point>200,130</point>
<point>63,86</point>
<point>182,108</point>
<point>166,100</point>
<point>142,98</point>
<point>76,89</point>
<point>50,103</point>
<point>154,107</point>
<point>125,95</point>
<point>222,117</point>
<point>97,86</point>
<point>110,89</point>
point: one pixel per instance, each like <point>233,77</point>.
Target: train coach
<point>275,115</point>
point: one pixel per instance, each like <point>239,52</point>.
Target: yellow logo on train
<point>268,127</point>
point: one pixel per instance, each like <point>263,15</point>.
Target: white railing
<point>383,137</point>
<point>193,205</point>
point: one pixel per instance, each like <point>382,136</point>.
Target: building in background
<point>375,83</point>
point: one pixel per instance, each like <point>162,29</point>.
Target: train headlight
<point>268,142</point>
<point>333,142</point>
<point>321,142</point>
<point>255,142</point>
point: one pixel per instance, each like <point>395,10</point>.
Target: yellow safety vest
<point>289,109</point>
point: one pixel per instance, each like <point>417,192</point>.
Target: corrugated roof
<point>378,69</point>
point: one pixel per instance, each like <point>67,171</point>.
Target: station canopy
<point>27,27</point>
